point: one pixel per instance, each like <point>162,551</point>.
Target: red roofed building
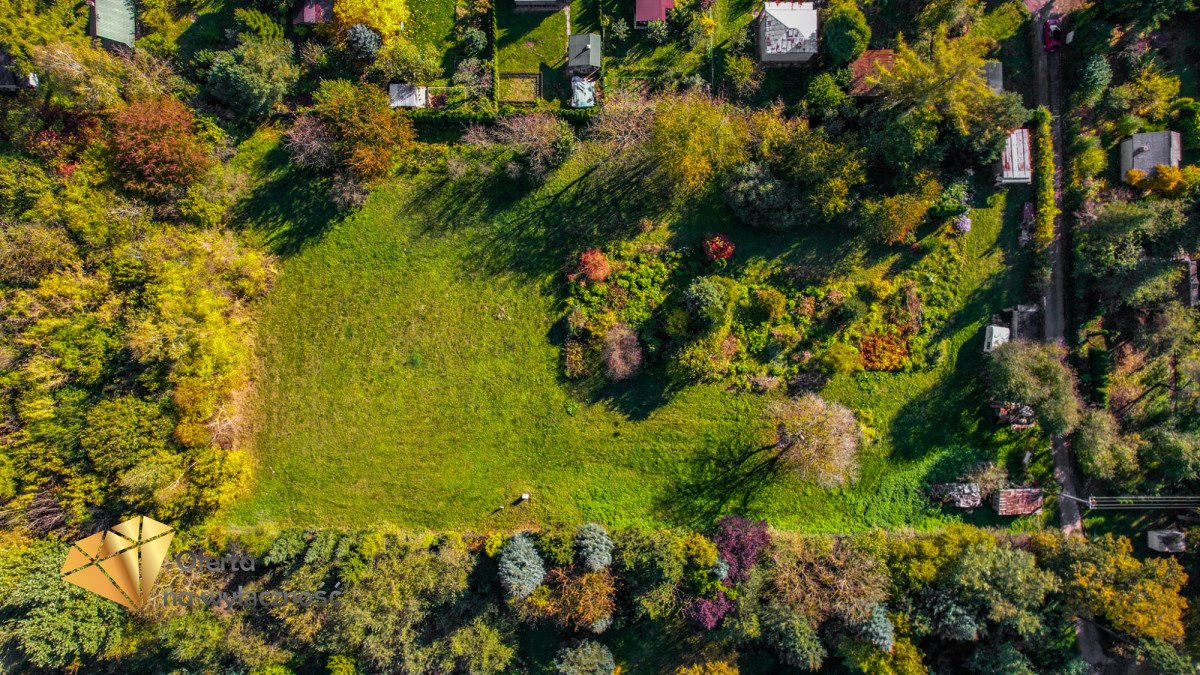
<point>1018,501</point>
<point>312,12</point>
<point>864,66</point>
<point>651,10</point>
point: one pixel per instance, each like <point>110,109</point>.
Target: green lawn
<point>533,42</point>
<point>410,371</point>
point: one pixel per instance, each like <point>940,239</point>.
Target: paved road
<point>1048,71</point>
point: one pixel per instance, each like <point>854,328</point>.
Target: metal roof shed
<point>113,20</point>
<point>645,11</point>
<point>401,95</point>
<point>583,52</point>
<point>993,337</point>
<point>1016,162</point>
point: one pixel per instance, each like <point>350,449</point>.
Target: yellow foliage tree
<point>1164,179</point>
<point>709,668</point>
<point>386,17</point>
<point>693,138</point>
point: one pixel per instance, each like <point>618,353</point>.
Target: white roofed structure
<point>787,32</point>
<point>407,96</point>
<point>1016,162</point>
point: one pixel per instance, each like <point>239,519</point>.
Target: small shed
<point>583,92</point>
<point>993,337</point>
<point>961,495</point>
<point>113,21</point>
<point>1016,162</point>
<point>645,11</point>
<point>864,67</point>
<point>1145,152</point>
<point>313,12</point>
<point>993,72</point>
<point>1166,541</point>
<point>787,32</point>
<point>1018,501</point>
<point>403,95</point>
<point>583,53</point>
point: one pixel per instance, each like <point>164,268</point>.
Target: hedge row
<point>1043,178</point>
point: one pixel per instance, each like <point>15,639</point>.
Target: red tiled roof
<point>864,66</point>
<point>1018,501</point>
<point>652,10</point>
<point>313,12</point>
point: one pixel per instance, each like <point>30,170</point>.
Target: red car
<point>1052,35</point>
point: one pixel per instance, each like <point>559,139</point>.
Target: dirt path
<point>1048,71</point>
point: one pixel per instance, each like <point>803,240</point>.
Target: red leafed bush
<point>593,265</point>
<point>883,351</point>
<point>154,147</point>
<point>717,247</point>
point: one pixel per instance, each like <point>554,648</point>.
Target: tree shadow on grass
<point>288,209</point>
<point>726,477</point>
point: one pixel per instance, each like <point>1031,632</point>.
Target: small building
<point>994,336</point>
<point>865,66</point>
<point>1016,162</point>
<point>313,12</point>
<point>11,79</point>
<point>645,11</point>
<point>113,21</point>
<point>583,54</point>
<point>1166,541</point>
<point>1145,152</point>
<point>787,32</point>
<point>583,92</point>
<point>1024,322</point>
<point>403,95</point>
<point>993,72</point>
<point>1018,501</point>
<point>961,495</point>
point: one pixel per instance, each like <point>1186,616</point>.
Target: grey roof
<point>583,51</point>
<point>993,72</point>
<point>1146,151</point>
<point>402,95</point>
<point>114,20</point>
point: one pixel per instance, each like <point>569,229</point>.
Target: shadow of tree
<point>289,208</point>
<point>727,477</point>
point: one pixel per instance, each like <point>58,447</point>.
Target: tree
<point>1033,373</point>
<point>155,149</point>
<point>708,668</point>
<point>121,432</point>
<point>367,134</point>
<point>956,15</point>
<point>540,141</point>
<point>1103,451</point>
<point>363,42</point>
<point>585,658</point>
<point>309,143</point>
<point>744,74</point>
<point>708,299</point>
<point>401,60</point>
<point>740,542</point>
<point>622,353</point>
<point>760,199</point>
<point>825,96</point>
<point>793,638</point>
<point>1147,15</point>
<point>583,602</point>
<point>692,140</point>
<point>878,629</point>
<point>1093,82</point>
<point>1006,585</point>
<point>385,17</point>
<point>817,439</point>
<point>521,569</point>
<point>593,547</point>
<point>825,578</point>
<point>845,33</point>
<point>257,24</point>
<point>892,220</point>
<point>252,77</point>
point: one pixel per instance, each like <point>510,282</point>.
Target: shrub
<point>257,24</point>
<point>769,304</point>
<point>475,41</point>
<point>474,77</point>
<point>622,352</point>
<point>521,570</point>
<point>406,62</point>
<point>362,42</point>
<point>952,201</point>
<point>759,198</point>
<point>708,301</point>
<point>585,658</point>
<point>1088,158</point>
<point>155,148</point>
<point>817,439</point>
<point>385,17</point>
<point>744,74</point>
<point>883,351</point>
<point>1094,80</point>
<point>793,639</point>
<point>1164,178</point>
<point>309,143</point>
<point>1043,152</point>
<point>252,77</point>
<point>825,96</point>
<point>593,265</point>
<point>657,32</point>
<point>583,602</point>
<point>706,613</point>
<point>892,220</point>
<point>878,629</point>
<point>708,668</point>
<point>740,542</point>
<point>618,30</point>
<point>717,247</point>
<point>593,547</point>
<point>540,140</point>
<point>1187,121</point>
<point>845,33</point>
<point>347,192</point>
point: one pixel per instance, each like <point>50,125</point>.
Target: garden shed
<point>646,11</point>
<point>1147,151</point>
<point>403,95</point>
<point>1018,501</point>
<point>787,32</point>
<point>583,54</point>
<point>864,67</point>
<point>1016,162</point>
<point>113,21</point>
<point>313,12</point>
<point>993,337</point>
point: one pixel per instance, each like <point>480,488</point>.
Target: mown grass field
<point>410,370</point>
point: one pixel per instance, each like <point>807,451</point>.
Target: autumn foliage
<point>154,148</point>
<point>717,247</point>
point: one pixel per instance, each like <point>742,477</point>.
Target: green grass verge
<point>410,370</point>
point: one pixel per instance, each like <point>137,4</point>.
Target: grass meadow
<point>409,368</point>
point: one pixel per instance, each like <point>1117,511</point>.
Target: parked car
<point>1052,35</point>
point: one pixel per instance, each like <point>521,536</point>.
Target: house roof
<point>1018,501</point>
<point>402,95</point>
<point>583,51</point>
<point>651,10</point>
<point>864,67</point>
<point>1146,151</point>
<point>113,20</point>
<point>993,72</point>
<point>789,28</point>
<point>1016,163</point>
<point>309,12</point>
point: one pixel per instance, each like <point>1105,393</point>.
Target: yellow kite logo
<point>122,563</point>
